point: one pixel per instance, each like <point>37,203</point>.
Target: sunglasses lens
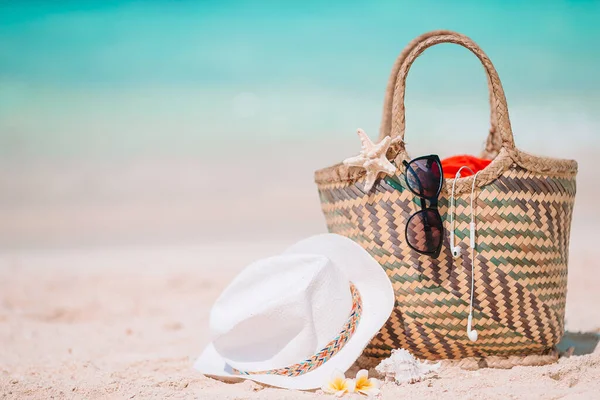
<point>424,231</point>
<point>424,177</point>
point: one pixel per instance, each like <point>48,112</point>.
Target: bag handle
<point>393,120</point>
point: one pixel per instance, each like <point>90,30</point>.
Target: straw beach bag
<point>523,205</point>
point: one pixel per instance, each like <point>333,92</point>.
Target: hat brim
<point>377,296</point>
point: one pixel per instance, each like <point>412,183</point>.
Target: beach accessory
<point>424,230</point>
<point>524,208</point>
<point>471,333</point>
<point>293,319</point>
<point>453,164</point>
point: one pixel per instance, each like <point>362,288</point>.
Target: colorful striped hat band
<point>330,350</point>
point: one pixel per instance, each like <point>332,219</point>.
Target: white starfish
<point>372,158</point>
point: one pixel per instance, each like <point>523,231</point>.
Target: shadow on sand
<point>581,342</point>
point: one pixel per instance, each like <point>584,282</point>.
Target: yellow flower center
<point>338,384</point>
<point>363,383</point>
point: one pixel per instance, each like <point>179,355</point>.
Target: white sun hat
<point>293,319</point>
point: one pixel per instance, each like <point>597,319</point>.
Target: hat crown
<point>279,311</point>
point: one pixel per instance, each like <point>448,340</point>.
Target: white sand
<point>126,322</point>
<point>130,323</point>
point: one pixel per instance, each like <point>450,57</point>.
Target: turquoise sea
<point>102,79</point>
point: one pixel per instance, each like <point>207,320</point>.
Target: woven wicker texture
<point>523,205</point>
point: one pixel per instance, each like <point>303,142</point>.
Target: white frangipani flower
<point>338,384</point>
<point>365,385</point>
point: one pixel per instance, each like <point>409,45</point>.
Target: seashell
<point>403,367</point>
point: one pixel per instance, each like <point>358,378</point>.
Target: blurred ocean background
<point>143,122</point>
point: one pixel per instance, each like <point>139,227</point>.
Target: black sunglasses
<point>424,229</point>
